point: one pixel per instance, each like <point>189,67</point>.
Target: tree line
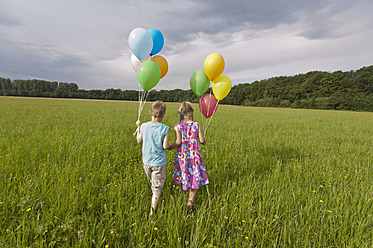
<point>351,90</point>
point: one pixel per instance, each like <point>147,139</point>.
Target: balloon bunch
<point>150,68</point>
<point>221,85</point>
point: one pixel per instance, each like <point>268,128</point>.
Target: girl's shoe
<point>190,207</point>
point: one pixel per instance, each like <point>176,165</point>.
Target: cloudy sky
<point>86,41</point>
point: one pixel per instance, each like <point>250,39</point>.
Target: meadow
<point>71,176</point>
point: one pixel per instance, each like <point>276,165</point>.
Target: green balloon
<point>148,74</point>
<point>199,82</point>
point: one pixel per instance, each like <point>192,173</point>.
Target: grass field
<point>71,176</point>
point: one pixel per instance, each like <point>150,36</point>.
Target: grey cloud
<point>319,17</point>
<point>31,60</point>
<point>339,19</point>
<point>7,20</point>
<point>229,16</point>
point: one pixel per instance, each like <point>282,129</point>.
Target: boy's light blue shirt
<point>153,135</point>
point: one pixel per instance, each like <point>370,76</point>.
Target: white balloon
<point>140,42</point>
<point>135,62</point>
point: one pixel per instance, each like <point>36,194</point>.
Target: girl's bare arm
<point>177,141</point>
<point>201,137</point>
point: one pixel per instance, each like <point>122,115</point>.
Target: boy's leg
<point>155,200</point>
<point>158,178</point>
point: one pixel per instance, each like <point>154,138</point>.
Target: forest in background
<point>350,90</point>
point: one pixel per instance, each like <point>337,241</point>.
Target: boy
<point>154,138</point>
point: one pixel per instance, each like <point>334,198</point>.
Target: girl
<point>189,170</point>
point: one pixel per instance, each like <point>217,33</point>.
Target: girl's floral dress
<point>189,168</point>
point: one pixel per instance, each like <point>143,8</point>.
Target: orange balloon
<point>162,63</point>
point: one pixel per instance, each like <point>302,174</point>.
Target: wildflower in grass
<point>329,211</point>
<point>21,198</point>
<point>28,209</point>
<point>7,230</point>
<point>246,237</point>
<point>80,234</point>
<point>106,246</point>
<point>156,228</point>
<point>243,221</point>
<point>321,186</point>
<point>74,187</point>
<point>112,232</point>
<point>321,201</point>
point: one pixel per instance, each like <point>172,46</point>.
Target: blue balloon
<point>158,40</point>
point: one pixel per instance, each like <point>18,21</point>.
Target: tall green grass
<point>71,175</point>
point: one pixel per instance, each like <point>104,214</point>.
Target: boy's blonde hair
<point>158,109</point>
<point>186,109</point>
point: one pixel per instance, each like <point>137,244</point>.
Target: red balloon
<point>208,105</point>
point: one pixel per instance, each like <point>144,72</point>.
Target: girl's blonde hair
<point>186,109</point>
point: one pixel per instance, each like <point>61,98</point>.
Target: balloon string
<point>209,121</point>
<point>205,150</point>
<point>143,95</point>
<point>208,107</point>
<point>205,125</point>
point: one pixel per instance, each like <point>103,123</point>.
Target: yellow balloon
<point>221,87</point>
<point>162,63</point>
<point>214,66</point>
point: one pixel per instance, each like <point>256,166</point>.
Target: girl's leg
<point>192,196</point>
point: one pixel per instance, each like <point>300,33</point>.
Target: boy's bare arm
<point>139,134</point>
<point>166,144</point>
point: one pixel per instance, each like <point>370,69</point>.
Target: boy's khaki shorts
<point>157,176</point>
